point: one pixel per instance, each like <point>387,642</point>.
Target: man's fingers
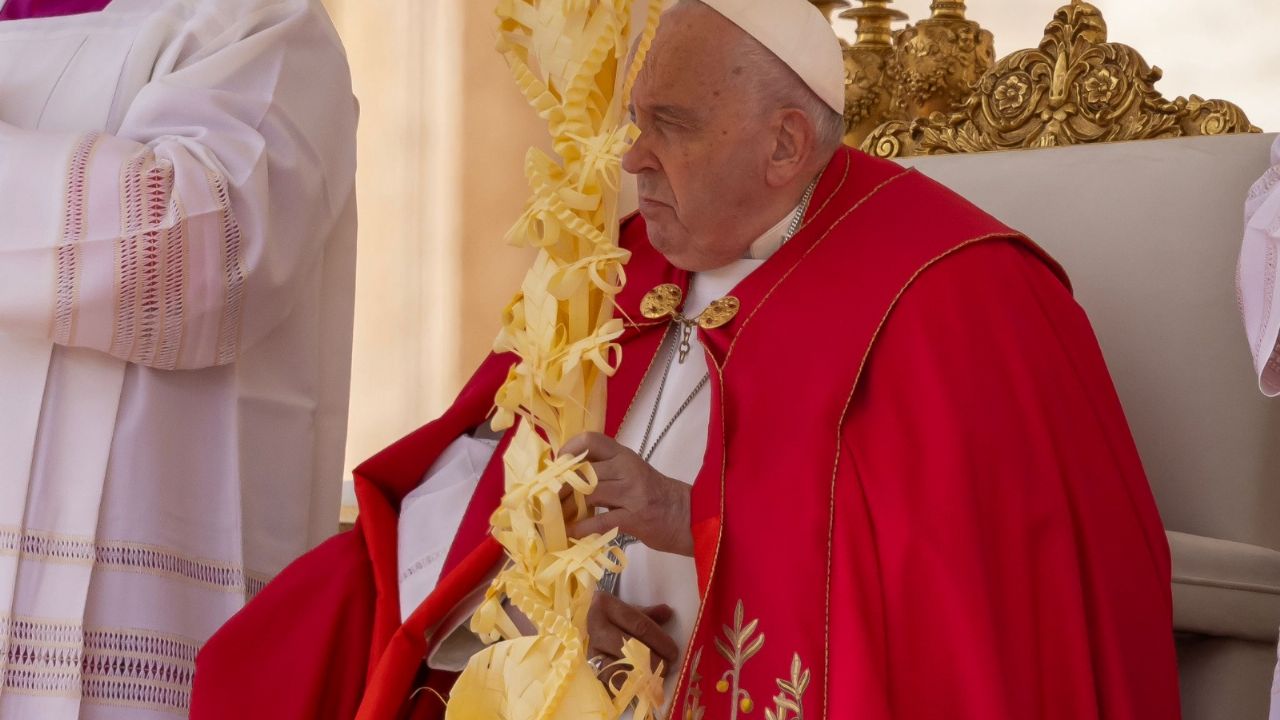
<point>606,637</point>
<point>635,623</point>
<point>597,446</point>
<point>660,614</point>
<point>608,494</point>
<point>606,641</point>
<point>601,523</point>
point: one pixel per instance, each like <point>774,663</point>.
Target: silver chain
<point>646,451</point>
<point>609,581</point>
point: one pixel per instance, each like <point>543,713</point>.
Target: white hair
<point>776,85</point>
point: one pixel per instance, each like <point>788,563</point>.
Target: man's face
<point>701,157</point>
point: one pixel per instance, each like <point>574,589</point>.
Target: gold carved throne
<point>1149,232</point>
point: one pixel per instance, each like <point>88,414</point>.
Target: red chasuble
<point>920,499</point>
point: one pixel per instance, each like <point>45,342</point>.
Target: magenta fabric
<point>23,9</point>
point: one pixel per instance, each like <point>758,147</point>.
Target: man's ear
<point>793,144</point>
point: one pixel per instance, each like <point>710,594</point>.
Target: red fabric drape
<point>919,481</point>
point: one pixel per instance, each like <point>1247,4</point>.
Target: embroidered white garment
<point>1275,694</point>
<point>176,277</point>
<point>1259,301</point>
<point>1256,274</point>
<point>651,577</point>
<point>431,514</point>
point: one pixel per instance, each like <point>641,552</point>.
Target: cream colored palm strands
<point>567,57</point>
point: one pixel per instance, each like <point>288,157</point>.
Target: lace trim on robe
<point>151,262</point>
<point>73,227</point>
<point>131,557</point>
<point>112,666</point>
<point>233,272</point>
<point>1264,184</point>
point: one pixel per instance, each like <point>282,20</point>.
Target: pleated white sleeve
<point>1256,275</point>
<point>178,240</point>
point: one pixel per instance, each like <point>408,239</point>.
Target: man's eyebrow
<point>675,112</point>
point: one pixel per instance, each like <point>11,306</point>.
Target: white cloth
<point>1275,694</point>
<point>651,577</point>
<point>176,280</point>
<point>1259,301</point>
<point>431,514</point>
<point>798,34</point>
<point>1256,274</point>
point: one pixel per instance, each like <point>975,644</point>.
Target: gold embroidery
<point>791,693</point>
<point>738,645</point>
<point>693,709</point>
<point>719,368</point>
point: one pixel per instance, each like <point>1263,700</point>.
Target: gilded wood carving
<point>932,88</point>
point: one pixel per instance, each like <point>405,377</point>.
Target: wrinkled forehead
<point>691,60</point>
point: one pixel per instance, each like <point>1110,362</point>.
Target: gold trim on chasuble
<point>742,641</point>
<point>835,470</point>
<point>793,693</point>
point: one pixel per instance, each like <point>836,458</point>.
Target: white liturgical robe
<point>1259,301</point>
<point>432,513</point>
<point>1256,276</point>
<point>177,247</point>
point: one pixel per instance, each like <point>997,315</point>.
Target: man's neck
<point>774,221</point>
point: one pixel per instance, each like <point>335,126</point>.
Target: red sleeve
<point>300,650</point>
<point>1023,570</point>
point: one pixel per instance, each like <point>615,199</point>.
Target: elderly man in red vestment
<point>897,483</point>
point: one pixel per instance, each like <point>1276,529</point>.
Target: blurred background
<point>443,134</point>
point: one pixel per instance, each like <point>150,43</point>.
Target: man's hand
<point>639,500</point>
<point>611,621</point>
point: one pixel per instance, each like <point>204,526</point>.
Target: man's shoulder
<point>916,197</point>
<point>925,224</point>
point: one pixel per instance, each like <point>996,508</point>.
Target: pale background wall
<point>443,133</point>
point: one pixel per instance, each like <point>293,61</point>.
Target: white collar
<point>770,240</point>
<point>709,285</point>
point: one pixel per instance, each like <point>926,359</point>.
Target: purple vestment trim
<point>23,9</point>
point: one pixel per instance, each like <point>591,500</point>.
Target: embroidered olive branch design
<point>693,709</point>
<point>738,646</point>
<point>789,699</point>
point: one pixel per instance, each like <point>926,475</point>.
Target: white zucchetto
<point>796,32</point>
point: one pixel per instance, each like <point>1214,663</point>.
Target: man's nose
<point>638,157</point>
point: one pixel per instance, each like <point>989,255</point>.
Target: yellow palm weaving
<point>566,57</point>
